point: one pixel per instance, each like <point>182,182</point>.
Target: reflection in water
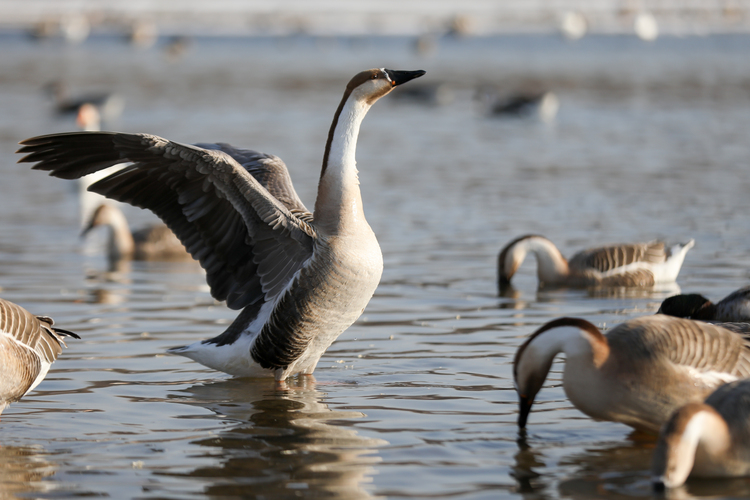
<point>284,442</point>
<point>22,469</point>
<point>530,483</point>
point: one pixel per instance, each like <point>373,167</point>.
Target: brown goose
<point>710,439</point>
<point>300,279</point>
<point>155,242</point>
<point>733,307</point>
<point>630,264</point>
<point>637,373</point>
<point>28,346</point>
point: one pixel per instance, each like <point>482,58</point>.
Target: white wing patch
<point>710,379</point>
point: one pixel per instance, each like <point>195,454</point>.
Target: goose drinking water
<point>300,279</point>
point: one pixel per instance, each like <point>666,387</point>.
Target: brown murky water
<point>415,399</point>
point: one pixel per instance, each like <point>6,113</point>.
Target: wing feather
<point>241,230</point>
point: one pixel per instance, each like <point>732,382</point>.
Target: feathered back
<point>611,257</point>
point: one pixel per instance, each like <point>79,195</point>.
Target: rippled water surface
<point>416,398</point>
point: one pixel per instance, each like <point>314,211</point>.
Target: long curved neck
<point>551,265</point>
<point>579,346</point>
<point>692,426</point>
<point>338,206</point>
<point>121,243</point>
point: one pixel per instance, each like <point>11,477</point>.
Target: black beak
<point>400,77</point>
<point>524,410</point>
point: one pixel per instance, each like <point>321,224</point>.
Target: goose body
<point>300,279</point>
<point>638,373</point>
<point>710,439</point>
<point>631,264</point>
<point>155,242</point>
<point>28,346</point>
<point>734,307</point>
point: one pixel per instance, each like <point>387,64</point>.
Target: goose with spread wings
<point>300,279</point>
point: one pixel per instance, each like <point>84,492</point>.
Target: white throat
<point>339,202</point>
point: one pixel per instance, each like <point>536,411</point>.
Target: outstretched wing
<point>248,241</point>
<point>605,259</point>
<point>270,171</point>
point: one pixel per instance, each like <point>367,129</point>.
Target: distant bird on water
<point>108,104</point>
<point>637,373</point>
<point>734,307</point>
<point>155,242</point>
<point>28,346</point>
<point>300,279</point>
<point>627,264</point>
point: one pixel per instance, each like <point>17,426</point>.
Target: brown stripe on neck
<point>334,123</point>
<point>678,422</point>
<point>599,340</point>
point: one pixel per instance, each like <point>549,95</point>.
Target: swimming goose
<point>630,264</point>
<point>28,346</point>
<point>637,373</point>
<point>300,279</point>
<point>710,439</point>
<point>733,307</point>
<point>155,242</point>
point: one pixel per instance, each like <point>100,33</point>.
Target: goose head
<point>510,259</point>
<point>692,425</point>
<point>534,358</point>
<point>689,305</point>
<point>105,215</point>
<point>372,84</point>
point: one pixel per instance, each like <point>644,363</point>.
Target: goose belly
<point>328,295</point>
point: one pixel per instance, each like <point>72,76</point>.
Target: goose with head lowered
<point>153,242</point>
<point>638,373</point>
<point>300,278</point>
<point>709,439</point>
<point>28,346</point>
<point>734,307</point>
<point>626,265</point>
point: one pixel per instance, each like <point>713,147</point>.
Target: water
<point>415,400</point>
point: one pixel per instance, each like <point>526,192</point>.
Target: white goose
<point>638,373</point>
<point>733,307</point>
<point>710,439</point>
<point>28,346</point>
<point>300,279</point>
<point>630,264</point>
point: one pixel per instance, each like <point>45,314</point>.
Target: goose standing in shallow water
<point>28,346</point>
<point>733,307</point>
<point>631,264</point>
<point>300,279</point>
<point>154,242</point>
<point>638,373</point>
<point>710,439</point>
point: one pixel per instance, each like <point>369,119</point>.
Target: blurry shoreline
<point>76,19</point>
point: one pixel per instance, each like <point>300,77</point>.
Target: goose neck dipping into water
<point>300,279</point>
<point>155,242</point>
<point>638,373</point>
<point>710,439</point>
<point>629,264</point>
<point>28,346</point>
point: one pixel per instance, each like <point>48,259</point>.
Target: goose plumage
<point>734,307</point>
<point>153,242</point>
<point>638,373</point>
<point>709,439</point>
<point>627,264</point>
<point>28,346</point>
<point>300,278</point>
